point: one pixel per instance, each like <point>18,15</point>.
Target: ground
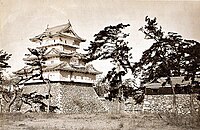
<point>103,121</point>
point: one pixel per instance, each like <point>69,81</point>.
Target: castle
<point>71,78</point>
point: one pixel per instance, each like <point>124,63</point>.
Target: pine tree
<point>110,44</point>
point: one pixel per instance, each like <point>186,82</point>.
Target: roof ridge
<point>58,30</point>
<point>52,49</point>
<point>67,24</point>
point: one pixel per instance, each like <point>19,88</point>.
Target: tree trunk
<point>198,116</point>
<point>192,104</point>
<point>10,103</point>
<point>119,89</point>
<point>192,110</point>
<point>191,94</point>
<point>49,96</point>
<point>1,105</point>
<point>118,106</point>
<point>174,109</point>
<point>119,102</point>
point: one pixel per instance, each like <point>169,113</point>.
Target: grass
<point>108,121</point>
<point>186,120</point>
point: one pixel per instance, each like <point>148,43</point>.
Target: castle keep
<point>71,78</point>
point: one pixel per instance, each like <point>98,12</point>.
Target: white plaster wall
<point>53,61</point>
<point>69,41</point>
<point>65,76</point>
<point>53,76</point>
<point>58,47</point>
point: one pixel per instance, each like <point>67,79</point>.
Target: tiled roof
<point>175,80</point>
<point>56,52</point>
<point>64,67</point>
<point>62,44</point>
<point>76,68</point>
<point>61,30</point>
<point>25,70</point>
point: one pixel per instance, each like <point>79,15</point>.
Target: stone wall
<point>82,98</point>
<point>113,106</point>
<point>163,103</point>
<point>155,103</point>
<point>77,98</point>
<point>129,105</point>
<point>70,97</point>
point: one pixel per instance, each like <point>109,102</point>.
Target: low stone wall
<point>70,97</point>
<point>155,103</point>
<point>129,105</point>
<point>113,106</point>
<point>80,99</point>
<point>163,103</point>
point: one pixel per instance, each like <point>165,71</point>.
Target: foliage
<point>170,55</point>
<point>37,66</point>
<point>101,88</point>
<point>10,92</point>
<point>128,89</point>
<point>4,57</point>
<point>39,62</point>
<point>33,98</point>
<point>110,44</point>
<point>10,87</point>
<point>164,57</point>
<point>191,59</point>
<point>8,95</point>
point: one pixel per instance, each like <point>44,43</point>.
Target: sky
<point>24,19</point>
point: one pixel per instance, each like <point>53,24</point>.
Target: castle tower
<point>63,62</point>
<point>71,79</point>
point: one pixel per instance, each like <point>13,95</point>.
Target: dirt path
<point>85,122</point>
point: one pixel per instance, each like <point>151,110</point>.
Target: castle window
<point>52,62</point>
<point>54,40</point>
<point>155,91</point>
<point>74,61</point>
<point>78,77</point>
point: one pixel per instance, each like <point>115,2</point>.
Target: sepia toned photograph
<point>99,65</point>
